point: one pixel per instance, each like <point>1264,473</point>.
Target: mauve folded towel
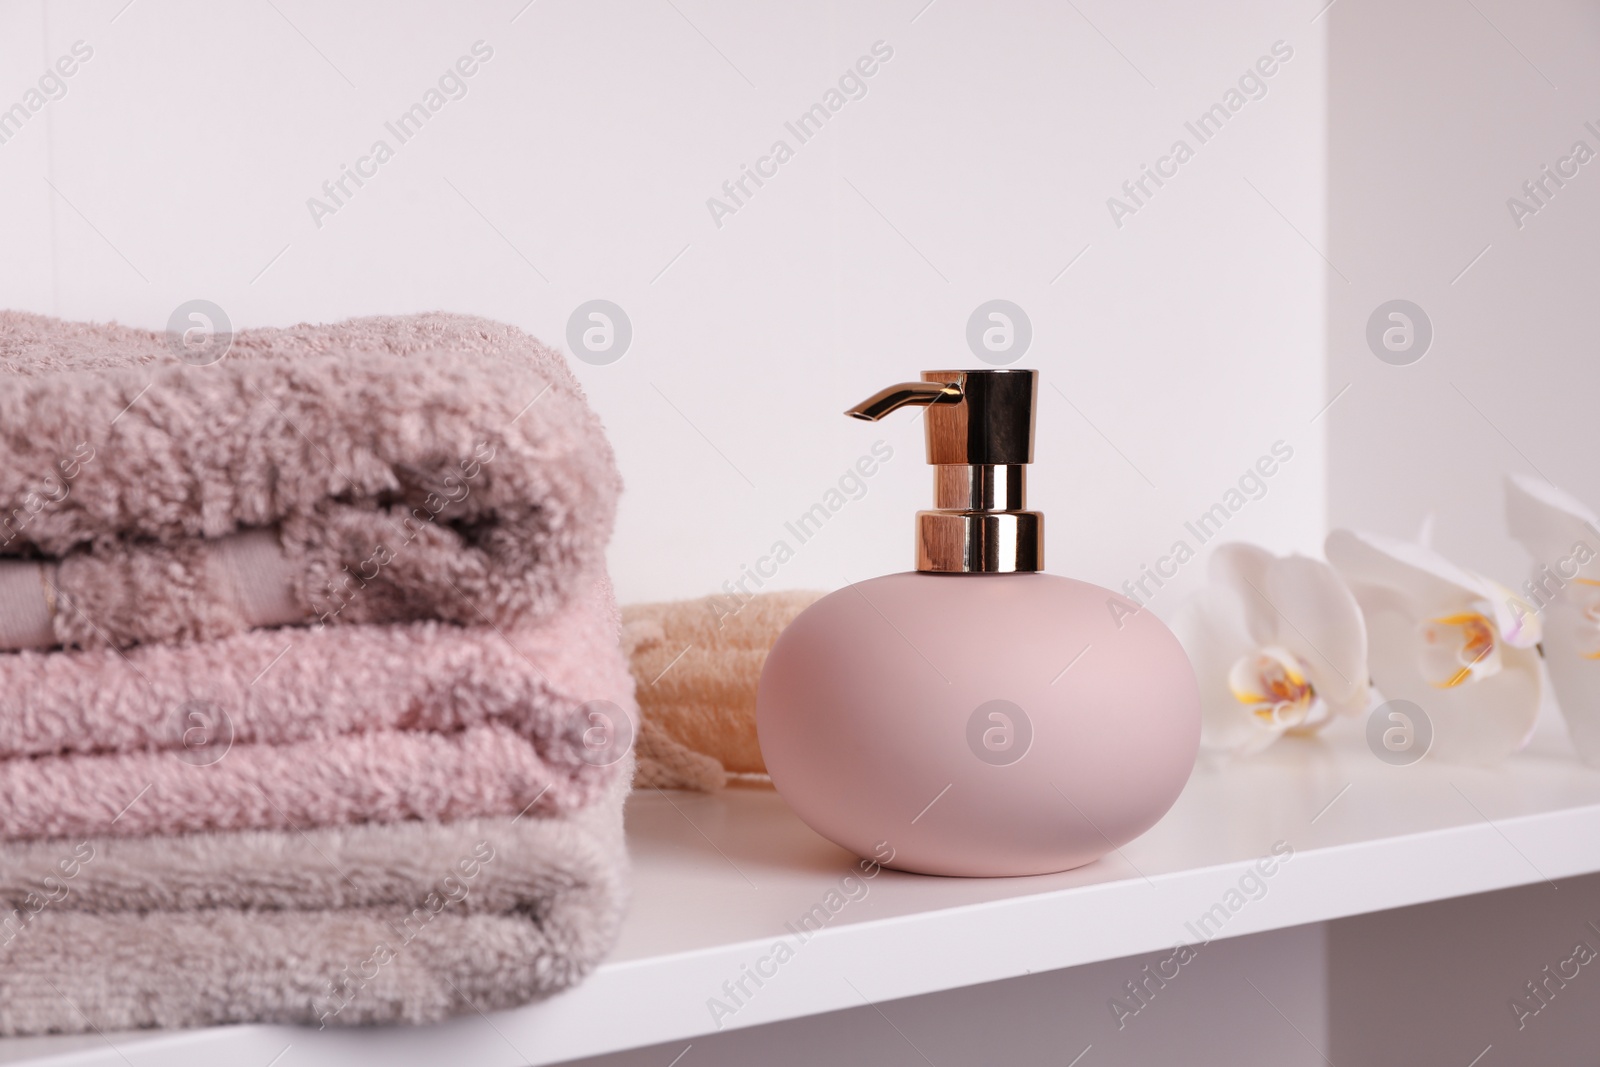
<point>409,922</point>
<point>431,466</point>
<point>295,728</point>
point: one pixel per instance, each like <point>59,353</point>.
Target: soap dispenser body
<point>977,716</point>
<point>978,724</point>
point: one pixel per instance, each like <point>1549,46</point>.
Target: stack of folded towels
<point>312,707</point>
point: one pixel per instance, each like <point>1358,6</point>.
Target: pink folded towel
<point>433,466</point>
<point>304,727</point>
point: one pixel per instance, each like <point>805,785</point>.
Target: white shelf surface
<point>719,878</point>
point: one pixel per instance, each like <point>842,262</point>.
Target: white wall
<point>1439,112</point>
<point>579,164</point>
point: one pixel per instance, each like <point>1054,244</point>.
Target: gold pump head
<point>980,438</point>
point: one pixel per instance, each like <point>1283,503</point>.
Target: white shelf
<point>719,877</point>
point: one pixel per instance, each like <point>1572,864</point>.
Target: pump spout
<point>979,431</point>
<point>921,394</point>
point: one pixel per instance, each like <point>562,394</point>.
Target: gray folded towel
<point>409,922</point>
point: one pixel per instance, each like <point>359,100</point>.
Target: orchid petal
<point>1450,641</point>
<point>1278,646</point>
<point>1243,568</point>
<point>1476,722</point>
<point>1425,532</point>
<point>1429,583</point>
<point>1427,579</point>
<point>1574,668</point>
<point>1560,533</point>
<point>1549,522</point>
<point>1322,624</point>
<point>1211,627</point>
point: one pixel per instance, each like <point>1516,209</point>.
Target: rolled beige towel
<point>697,664</point>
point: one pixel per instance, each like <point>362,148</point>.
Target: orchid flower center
<point>1271,681</point>
<point>1458,648</point>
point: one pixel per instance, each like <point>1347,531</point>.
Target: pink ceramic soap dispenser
<point>974,716</point>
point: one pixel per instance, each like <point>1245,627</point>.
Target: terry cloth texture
<point>408,809</point>
<point>410,922</point>
<point>304,727</point>
<point>432,466</point>
<point>697,665</point>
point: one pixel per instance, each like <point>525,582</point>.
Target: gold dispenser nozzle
<point>979,438</point>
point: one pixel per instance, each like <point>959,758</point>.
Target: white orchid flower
<point>1456,644</point>
<point>1563,536</point>
<point>1278,646</point>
